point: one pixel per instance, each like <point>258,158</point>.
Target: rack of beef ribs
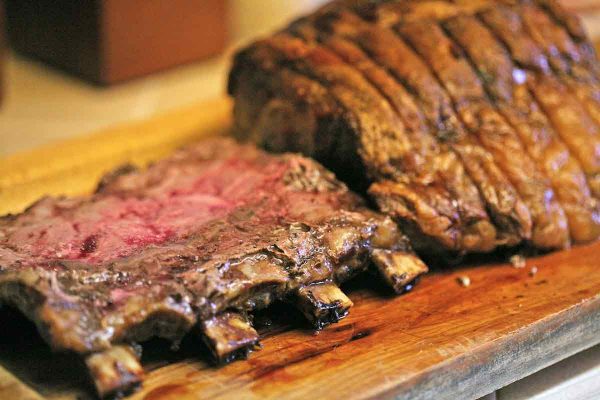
<point>497,98</point>
<point>200,239</point>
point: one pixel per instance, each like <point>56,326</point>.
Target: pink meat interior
<point>175,201</point>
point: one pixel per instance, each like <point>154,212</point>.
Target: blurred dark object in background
<point>108,41</point>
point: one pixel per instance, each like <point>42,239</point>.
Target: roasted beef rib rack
<point>200,239</point>
<point>475,124</point>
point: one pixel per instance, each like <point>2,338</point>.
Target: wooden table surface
<point>442,340</point>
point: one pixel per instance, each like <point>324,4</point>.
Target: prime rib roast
<point>197,240</point>
<point>475,124</point>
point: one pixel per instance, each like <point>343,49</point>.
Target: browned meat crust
<point>514,101</point>
<point>576,30</point>
<point>281,109</point>
<point>384,48</point>
<point>478,233</point>
<point>522,146</point>
<point>550,228</point>
<point>571,65</point>
<point>423,204</point>
<point>569,118</point>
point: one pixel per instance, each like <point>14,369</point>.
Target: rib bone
<point>229,336</point>
<point>323,303</point>
<point>398,268</point>
<point>115,371</point>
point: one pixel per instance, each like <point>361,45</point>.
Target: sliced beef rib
<point>198,239</point>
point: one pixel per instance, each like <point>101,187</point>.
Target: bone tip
<point>401,286</point>
<point>115,371</point>
<point>323,304</point>
<point>399,269</point>
<point>230,337</point>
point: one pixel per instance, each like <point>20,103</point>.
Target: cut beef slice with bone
<point>200,239</point>
<point>515,151</point>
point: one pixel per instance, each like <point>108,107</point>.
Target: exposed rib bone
<point>229,336</point>
<point>398,268</point>
<point>323,303</point>
<point>115,371</point>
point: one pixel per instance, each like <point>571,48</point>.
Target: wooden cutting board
<point>442,340</point>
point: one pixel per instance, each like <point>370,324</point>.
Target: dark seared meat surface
<point>571,65</point>
<point>568,116</point>
<point>477,231</point>
<point>384,144</point>
<point>505,126</point>
<point>198,239</point>
<point>499,196</point>
<point>550,229</point>
<point>575,29</point>
<point>514,100</point>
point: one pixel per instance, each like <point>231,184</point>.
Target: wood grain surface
<point>442,340</point>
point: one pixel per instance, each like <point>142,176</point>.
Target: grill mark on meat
<point>513,100</point>
<point>550,227</point>
<point>389,12</point>
<point>575,29</point>
<point>478,232</point>
<point>570,65</point>
<point>503,203</point>
<point>569,118</point>
<point>351,90</point>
